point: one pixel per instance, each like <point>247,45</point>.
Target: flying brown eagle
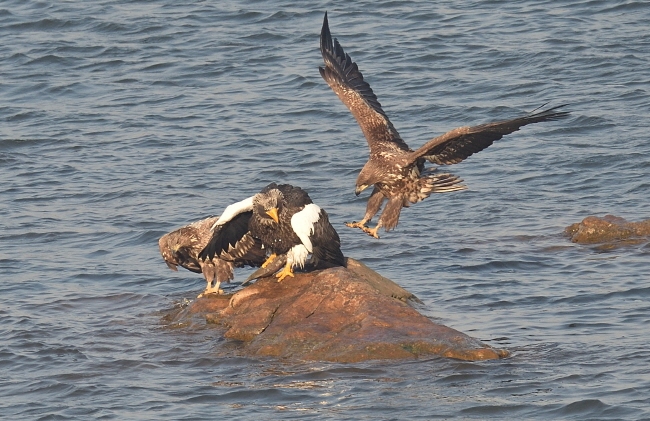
<point>287,222</point>
<point>182,247</point>
<point>396,171</point>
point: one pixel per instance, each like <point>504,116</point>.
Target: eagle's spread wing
<point>458,144</point>
<point>230,240</point>
<point>345,79</point>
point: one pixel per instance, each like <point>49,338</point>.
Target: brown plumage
<point>182,247</point>
<point>396,171</point>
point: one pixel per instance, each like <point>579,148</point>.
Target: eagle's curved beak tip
<point>273,213</point>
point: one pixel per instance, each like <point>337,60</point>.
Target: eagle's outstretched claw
<point>363,227</point>
<point>360,224</point>
<point>373,232</point>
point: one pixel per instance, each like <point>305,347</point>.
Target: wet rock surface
<point>610,229</point>
<point>340,314</point>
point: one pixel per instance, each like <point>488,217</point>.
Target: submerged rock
<point>339,314</point>
<point>609,229</point>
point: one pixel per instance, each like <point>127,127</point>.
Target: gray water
<point>123,120</point>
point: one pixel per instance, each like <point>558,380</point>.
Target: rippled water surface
<point>121,121</point>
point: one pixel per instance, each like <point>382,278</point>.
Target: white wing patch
<point>303,224</point>
<point>233,210</point>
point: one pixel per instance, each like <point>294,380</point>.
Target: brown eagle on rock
<point>396,171</point>
<point>182,247</point>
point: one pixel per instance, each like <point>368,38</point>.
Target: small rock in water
<point>609,229</point>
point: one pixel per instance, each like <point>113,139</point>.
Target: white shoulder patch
<point>233,210</point>
<point>303,224</point>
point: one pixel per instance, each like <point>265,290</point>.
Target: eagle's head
<point>369,175</point>
<point>178,249</point>
<point>169,246</point>
<point>267,206</point>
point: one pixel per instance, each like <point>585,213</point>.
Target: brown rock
<point>609,229</point>
<point>339,314</point>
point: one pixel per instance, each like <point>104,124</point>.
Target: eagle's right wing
<point>345,79</point>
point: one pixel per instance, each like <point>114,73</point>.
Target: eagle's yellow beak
<point>273,213</point>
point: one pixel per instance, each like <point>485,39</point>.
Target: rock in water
<point>340,314</point>
<point>609,229</point>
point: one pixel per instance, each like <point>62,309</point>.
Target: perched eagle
<point>396,171</point>
<point>286,221</point>
<point>182,247</point>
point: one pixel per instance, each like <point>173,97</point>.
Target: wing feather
<point>226,238</point>
<point>233,210</point>
<point>458,144</point>
<point>345,79</point>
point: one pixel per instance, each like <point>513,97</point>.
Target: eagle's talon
<point>208,291</point>
<point>363,227</point>
<point>372,232</point>
<point>269,260</point>
<point>284,273</point>
<point>361,224</point>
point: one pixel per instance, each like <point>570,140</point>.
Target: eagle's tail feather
<point>429,183</point>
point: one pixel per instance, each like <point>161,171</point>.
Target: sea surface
<point>123,120</point>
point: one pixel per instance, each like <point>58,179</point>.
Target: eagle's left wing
<point>229,234</point>
<point>458,144</point>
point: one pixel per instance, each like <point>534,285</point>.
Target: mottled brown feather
<point>396,171</point>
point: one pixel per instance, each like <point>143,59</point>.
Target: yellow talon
<point>269,260</point>
<point>285,272</point>
<point>363,227</point>
<point>361,224</point>
<point>373,232</point>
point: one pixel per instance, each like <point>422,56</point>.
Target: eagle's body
<point>287,222</point>
<point>181,247</point>
<point>396,171</point>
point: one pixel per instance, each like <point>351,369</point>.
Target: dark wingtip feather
<point>325,36</point>
<point>550,114</point>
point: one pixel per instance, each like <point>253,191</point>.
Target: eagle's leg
<point>374,204</point>
<point>211,290</point>
<point>287,271</point>
<point>269,260</point>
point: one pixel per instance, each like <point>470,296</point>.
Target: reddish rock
<point>609,229</point>
<point>339,314</point>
